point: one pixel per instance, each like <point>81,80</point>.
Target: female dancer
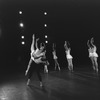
<point>68,56</point>
<point>55,57</point>
<point>36,56</point>
<point>92,54</point>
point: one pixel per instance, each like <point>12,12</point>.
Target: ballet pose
<point>37,56</point>
<point>68,56</point>
<point>92,54</point>
<point>55,57</point>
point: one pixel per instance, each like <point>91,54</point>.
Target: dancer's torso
<point>68,56</point>
<point>92,52</point>
<point>37,55</point>
<point>54,55</point>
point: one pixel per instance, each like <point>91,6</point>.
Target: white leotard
<point>68,56</point>
<point>92,52</point>
<point>54,55</point>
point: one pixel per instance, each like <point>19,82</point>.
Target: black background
<point>72,20</point>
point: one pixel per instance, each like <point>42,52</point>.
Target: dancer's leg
<point>45,68</point>
<point>30,72</point>
<point>30,62</point>
<point>96,63</point>
<point>38,73</point>
<point>92,59</point>
<point>57,64</point>
<point>45,63</point>
<point>69,64</point>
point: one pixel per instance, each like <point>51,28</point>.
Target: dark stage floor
<point>82,84</point>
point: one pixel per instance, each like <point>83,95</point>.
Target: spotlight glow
<point>45,25</point>
<point>23,43</point>
<point>45,13</point>
<point>21,24</point>
<point>46,36</point>
<point>22,37</point>
<point>46,41</point>
<point>20,12</point>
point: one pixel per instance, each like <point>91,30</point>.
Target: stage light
<point>20,12</point>
<point>22,37</point>
<point>45,13</point>
<point>46,41</point>
<point>21,25</point>
<point>45,25</point>
<point>23,43</point>
<point>46,36</point>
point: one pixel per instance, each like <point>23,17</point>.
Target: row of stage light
<point>21,25</point>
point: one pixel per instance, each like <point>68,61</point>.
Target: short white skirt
<point>93,54</point>
<point>69,57</point>
<point>55,57</point>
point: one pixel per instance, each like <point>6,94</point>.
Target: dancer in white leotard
<point>68,56</point>
<point>55,57</point>
<point>92,54</point>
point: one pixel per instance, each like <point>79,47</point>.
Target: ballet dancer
<point>55,57</point>
<point>92,54</point>
<point>36,57</point>
<point>68,56</point>
<point>44,59</point>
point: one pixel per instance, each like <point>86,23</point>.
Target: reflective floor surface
<point>82,84</point>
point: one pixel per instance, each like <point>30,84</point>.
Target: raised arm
<point>36,43</point>
<point>92,40</point>
<point>53,46</point>
<point>68,43</point>
<point>33,42</point>
<point>88,44</point>
<point>65,45</point>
